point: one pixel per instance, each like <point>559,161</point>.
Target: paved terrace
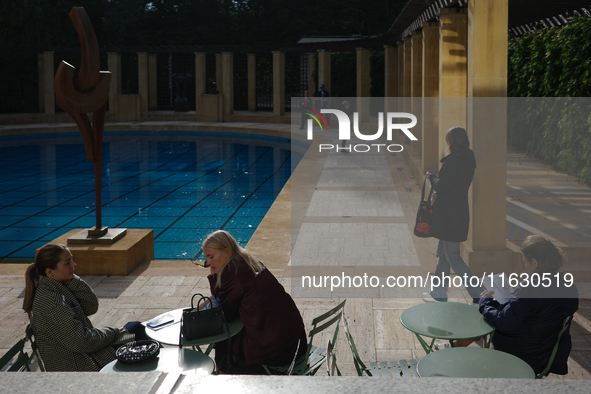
<point>539,200</point>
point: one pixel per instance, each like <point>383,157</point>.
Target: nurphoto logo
<point>345,130</point>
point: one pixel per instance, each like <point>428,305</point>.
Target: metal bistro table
<point>473,362</point>
<point>169,335</point>
<point>169,360</point>
<point>445,320</point>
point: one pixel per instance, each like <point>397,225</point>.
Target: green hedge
<point>553,62</point>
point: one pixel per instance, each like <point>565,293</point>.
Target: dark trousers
<point>239,366</point>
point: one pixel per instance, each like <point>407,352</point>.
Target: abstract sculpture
<point>88,93</point>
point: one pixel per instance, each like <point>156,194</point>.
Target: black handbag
<point>197,323</point>
<point>424,214</point>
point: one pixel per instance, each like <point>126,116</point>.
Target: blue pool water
<point>182,185</point>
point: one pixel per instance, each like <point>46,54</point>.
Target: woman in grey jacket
<point>58,303</point>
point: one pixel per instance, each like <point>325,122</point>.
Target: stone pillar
<point>152,83</point>
<point>200,81</point>
<point>407,71</point>
<point>41,84</point>
<point>219,80</point>
<point>323,70</point>
<point>453,41</point>
<point>278,83</point>
<point>48,75</point>
<point>487,129</point>
<point>400,51</point>
<point>390,77</point>
<point>252,85</point>
<point>430,157</point>
<point>312,88</point>
<point>406,88</point>
<point>228,84</point>
<point>417,90</point>
<point>114,60</point>
<point>143,89</point>
<point>363,83</point>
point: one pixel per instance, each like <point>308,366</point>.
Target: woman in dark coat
<point>528,325</point>
<point>451,215</point>
<point>273,328</point>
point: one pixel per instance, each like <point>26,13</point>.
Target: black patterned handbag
<point>424,215</point>
<point>137,352</point>
<point>197,323</point>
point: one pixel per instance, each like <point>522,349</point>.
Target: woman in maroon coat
<point>273,327</point>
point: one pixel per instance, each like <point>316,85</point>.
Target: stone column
<point>252,85</point>
<point>363,83</point>
<point>417,91</point>
<point>453,41</point>
<point>41,84</point>
<point>400,51</point>
<point>390,77</point>
<point>407,71</point>
<point>312,88</point>
<point>406,89</point>
<point>487,129</point>
<point>323,70</point>
<point>143,89</point>
<point>430,157</point>
<point>228,84</point>
<point>219,83</point>
<point>48,92</point>
<point>200,81</point>
<point>114,60</point>
<point>152,83</point>
<point>278,83</point>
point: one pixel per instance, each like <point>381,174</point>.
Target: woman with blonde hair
<point>58,303</point>
<point>528,325</point>
<point>273,331</point>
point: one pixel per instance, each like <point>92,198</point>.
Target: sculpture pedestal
<point>118,258</point>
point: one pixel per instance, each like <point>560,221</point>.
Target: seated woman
<point>273,327</point>
<point>528,325</point>
<point>58,304</point>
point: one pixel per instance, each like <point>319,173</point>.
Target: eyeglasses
<point>199,264</point>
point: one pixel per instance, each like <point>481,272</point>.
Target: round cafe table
<point>473,362</point>
<point>169,360</point>
<point>444,320</point>
<point>169,334</point>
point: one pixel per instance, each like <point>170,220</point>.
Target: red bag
<point>424,214</point>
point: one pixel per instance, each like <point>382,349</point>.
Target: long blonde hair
<point>221,240</point>
<point>47,257</point>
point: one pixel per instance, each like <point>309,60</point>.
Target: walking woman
<point>273,331</point>
<point>451,216</point>
<point>58,303</point>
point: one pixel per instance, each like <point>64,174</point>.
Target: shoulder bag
<point>424,214</point>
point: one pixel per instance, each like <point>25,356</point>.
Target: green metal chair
<point>30,336</point>
<point>331,360</point>
<point>315,356</point>
<point>403,368</point>
<point>16,359</point>
<point>546,371</point>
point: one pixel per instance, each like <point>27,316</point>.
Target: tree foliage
<point>555,64</point>
<point>193,22</point>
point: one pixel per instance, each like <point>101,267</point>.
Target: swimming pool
<point>183,185</point>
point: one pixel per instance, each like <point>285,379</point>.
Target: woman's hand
<point>122,330</point>
<point>487,294</point>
